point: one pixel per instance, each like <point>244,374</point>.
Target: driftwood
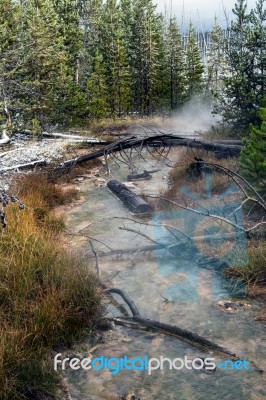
<point>137,177</point>
<point>37,163</point>
<point>134,202</point>
<point>173,330</point>
<point>75,138</point>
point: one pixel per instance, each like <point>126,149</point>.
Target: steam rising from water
<point>195,116</point>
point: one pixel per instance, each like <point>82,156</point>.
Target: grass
<point>48,297</point>
<point>223,131</point>
<point>254,272</point>
<point>182,174</point>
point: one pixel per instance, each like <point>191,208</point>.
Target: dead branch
<point>157,141</point>
<point>126,298</point>
<point>96,259</point>
<point>232,174</point>
<point>37,163</point>
<point>174,330</point>
<point>74,138</point>
<point>208,214</point>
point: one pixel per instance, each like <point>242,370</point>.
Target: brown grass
<point>48,297</point>
<point>254,272</point>
<point>182,174</point>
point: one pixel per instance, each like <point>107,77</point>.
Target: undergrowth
<point>48,296</point>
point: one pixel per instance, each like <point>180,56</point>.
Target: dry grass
<point>182,174</point>
<point>254,272</point>
<point>223,131</point>
<point>48,298</point>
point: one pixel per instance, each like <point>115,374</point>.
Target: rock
<point>229,306</point>
<point>132,397</point>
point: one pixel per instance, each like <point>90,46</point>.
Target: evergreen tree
<point>44,70</point>
<point>194,68</point>
<point>147,56</point>
<point>97,92</point>
<point>175,65</point>
<point>244,87</point>
<point>41,75</point>
<point>216,62</point>
<point>9,60</point>
<point>68,15</point>
<point>115,58</point>
<point>253,157</point>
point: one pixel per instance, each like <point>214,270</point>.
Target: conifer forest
<point>71,61</point>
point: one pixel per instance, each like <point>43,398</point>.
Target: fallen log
<point>137,177</point>
<point>156,141</point>
<point>75,138</point>
<point>134,202</point>
<point>38,163</point>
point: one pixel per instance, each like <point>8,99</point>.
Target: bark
<point>130,199</point>
<point>126,298</point>
<point>157,141</point>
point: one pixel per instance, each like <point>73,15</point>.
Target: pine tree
<point>9,60</point>
<point>194,68</point>
<point>68,15</point>
<point>244,87</point>
<point>253,157</point>
<point>147,56</point>
<point>175,65</point>
<point>118,76</point>
<point>97,91</point>
<point>42,74</point>
<point>216,62</point>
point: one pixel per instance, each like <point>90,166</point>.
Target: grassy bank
<point>48,297</point>
<point>184,174</point>
<point>254,271</point>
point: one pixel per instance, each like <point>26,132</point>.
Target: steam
<point>195,117</point>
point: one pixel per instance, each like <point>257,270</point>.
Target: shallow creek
<point>152,281</point>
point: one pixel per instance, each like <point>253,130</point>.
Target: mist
<point>194,117</point>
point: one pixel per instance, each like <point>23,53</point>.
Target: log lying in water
<point>161,327</point>
<point>173,330</point>
<point>134,202</point>
<point>136,177</point>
